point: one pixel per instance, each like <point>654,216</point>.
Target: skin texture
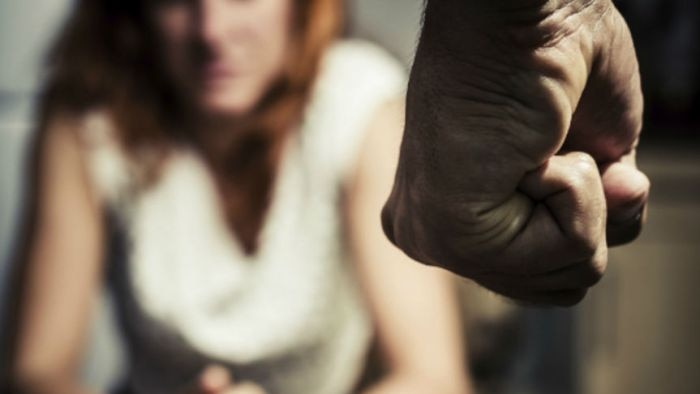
<point>409,302</point>
<point>517,165</point>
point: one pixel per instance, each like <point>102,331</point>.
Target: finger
<point>626,192</point>
<point>575,277</point>
<point>607,124</point>
<point>214,379</point>
<point>570,186</point>
<point>567,226</point>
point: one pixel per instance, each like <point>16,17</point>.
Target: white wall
<point>392,23</point>
<point>26,27</point>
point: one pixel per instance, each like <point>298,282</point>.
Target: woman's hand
<point>497,90</point>
<point>216,379</point>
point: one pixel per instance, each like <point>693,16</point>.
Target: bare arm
<point>63,267</point>
<point>415,307</point>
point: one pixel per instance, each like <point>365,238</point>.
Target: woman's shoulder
<point>362,53</point>
<point>357,79</point>
<point>358,65</point>
<point>90,129</point>
<point>97,141</point>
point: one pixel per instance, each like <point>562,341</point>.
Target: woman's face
<point>222,55</point>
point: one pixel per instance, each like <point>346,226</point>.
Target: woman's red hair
<point>106,58</point>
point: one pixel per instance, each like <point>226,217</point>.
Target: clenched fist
<point>517,167</point>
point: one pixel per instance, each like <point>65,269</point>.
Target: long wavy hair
<point>106,57</point>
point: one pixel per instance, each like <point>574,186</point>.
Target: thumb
<point>626,193</point>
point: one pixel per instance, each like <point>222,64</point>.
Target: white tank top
<point>290,317</point>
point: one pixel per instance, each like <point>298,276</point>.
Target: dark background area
<point>667,37</point>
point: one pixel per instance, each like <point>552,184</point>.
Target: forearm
<point>62,265</point>
<point>34,383</point>
<point>418,330</point>
<point>415,308</point>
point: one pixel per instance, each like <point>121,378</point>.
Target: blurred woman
<point>228,161</point>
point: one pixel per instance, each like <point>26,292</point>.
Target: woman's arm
<point>63,266</point>
<point>415,307</point>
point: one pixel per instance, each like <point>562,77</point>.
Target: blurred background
<point>637,331</point>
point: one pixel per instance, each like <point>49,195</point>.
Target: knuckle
<point>598,267</point>
<point>582,157</point>
<point>583,247</point>
<point>631,122</point>
<point>595,270</point>
<point>584,166</point>
<point>587,241</point>
<point>592,270</point>
<point>582,172</point>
